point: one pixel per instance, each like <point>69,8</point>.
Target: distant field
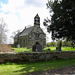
<point>44,50</point>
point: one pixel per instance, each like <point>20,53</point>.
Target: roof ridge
<point>26,31</point>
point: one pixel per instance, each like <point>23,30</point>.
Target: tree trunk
<point>59,47</point>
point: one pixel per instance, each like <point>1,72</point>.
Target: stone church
<point>29,36</point>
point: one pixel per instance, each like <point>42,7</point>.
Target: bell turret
<point>37,20</point>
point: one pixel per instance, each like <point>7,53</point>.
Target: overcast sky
<point>20,13</point>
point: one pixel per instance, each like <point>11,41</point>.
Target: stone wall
<point>35,56</point>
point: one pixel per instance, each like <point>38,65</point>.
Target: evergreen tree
<point>62,23</point>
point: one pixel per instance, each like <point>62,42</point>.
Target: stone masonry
<point>35,56</point>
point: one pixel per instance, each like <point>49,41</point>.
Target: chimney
<point>25,27</point>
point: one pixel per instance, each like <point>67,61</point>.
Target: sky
<point>20,13</point>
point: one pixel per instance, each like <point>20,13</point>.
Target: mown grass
<point>68,49</point>
<point>62,48</point>
<point>22,50</point>
<point>25,68</point>
<point>44,50</point>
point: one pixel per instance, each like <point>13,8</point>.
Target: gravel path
<point>68,70</point>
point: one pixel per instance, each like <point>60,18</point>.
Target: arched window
<point>36,36</point>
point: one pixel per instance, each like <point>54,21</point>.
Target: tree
<point>62,23</point>
<point>3,31</point>
<point>66,43</point>
<point>51,43</point>
<point>15,34</point>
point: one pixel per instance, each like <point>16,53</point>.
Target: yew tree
<point>62,22</point>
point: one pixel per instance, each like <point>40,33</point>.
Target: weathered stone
<point>42,57</point>
<point>48,57</point>
<point>1,60</point>
<point>35,56</point>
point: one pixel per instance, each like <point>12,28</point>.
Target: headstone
<point>34,48</point>
<point>39,47</point>
<point>18,45</point>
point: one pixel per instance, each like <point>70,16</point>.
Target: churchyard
<point>22,67</point>
<point>44,50</point>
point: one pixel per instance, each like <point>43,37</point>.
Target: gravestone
<point>34,48</point>
<point>39,47</point>
<point>18,46</point>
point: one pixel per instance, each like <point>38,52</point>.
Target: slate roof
<point>26,31</point>
<point>16,35</point>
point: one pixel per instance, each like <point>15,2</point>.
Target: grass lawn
<point>25,68</point>
<point>68,49</point>
<point>44,50</point>
<point>62,48</point>
<point>22,50</point>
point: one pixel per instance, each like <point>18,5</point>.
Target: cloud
<point>4,1</point>
<point>36,3</point>
<point>12,6</point>
<point>19,13</point>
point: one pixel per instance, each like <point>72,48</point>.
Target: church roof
<point>16,35</point>
<point>26,31</point>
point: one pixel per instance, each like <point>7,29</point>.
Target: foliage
<point>3,30</point>
<point>16,33</point>
<point>64,43</point>
<point>58,42</point>
<point>25,68</point>
<point>62,23</point>
<point>67,44</point>
<point>51,43</point>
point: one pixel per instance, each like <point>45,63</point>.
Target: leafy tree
<point>51,43</point>
<point>62,23</point>
<point>66,43</point>
<point>3,31</point>
<point>58,42</point>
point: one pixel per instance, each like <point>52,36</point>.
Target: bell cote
<point>37,20</point>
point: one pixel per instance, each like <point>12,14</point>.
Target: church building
<point>30,36</point>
